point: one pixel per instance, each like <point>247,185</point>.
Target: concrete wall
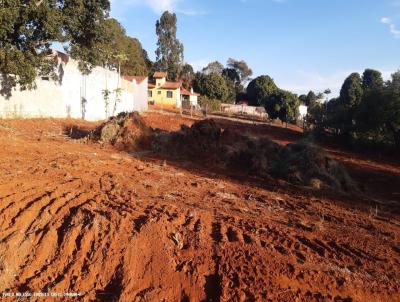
<point>76,96</point>
<point>243,109</point>
<point>140,99</point>
<point>193,100</point>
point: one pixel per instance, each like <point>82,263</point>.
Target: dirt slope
<point>83,218</point>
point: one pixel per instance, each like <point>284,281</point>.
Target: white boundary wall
<point>75,96</point>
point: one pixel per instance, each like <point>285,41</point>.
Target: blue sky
<point>302,44</point>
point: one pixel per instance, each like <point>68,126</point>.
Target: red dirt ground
<point>85,218</point>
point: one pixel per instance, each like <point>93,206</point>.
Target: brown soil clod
<point>82,218</point>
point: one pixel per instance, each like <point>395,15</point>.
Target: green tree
<point>316,116</point>
<point>117,43</point>
<point>378,116</point>
<point>337,117</point>
<point>136,55</point>
<point>311,98</point>
<point>243,71</point>
<point>187,75</point>
<point>282,104</point>
<point>303,99</point>
<point>28,29</point>
<point>395,83</point>
<point>211,85</point>
<point>213,67</point>
<point>232,79</point>
<point>259,89</point>
<point>352,90</point>
<point>232,75</point>
<point>169,49</point>
<point>351,95</point>
<point>372,79</point>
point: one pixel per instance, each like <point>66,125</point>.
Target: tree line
<point>29,28</point>
<point>368,110</point>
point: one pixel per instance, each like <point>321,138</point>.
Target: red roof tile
<point>171,85</point>
<point>187,92</point>
<point>136,78</point>
<point>151,85</point>
<point>160,75</point>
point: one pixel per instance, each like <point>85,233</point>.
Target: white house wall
<point>140,92</point>
<point>193,100</point>
<point>64,99</point>
<point>178,99</point>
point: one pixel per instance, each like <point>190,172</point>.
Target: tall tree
<point>232,79</point>
<point>395,83</point>
<point>282,104</point>
<point>213,67</point>
<point>211,85</point>
<point>242,69</point>
<point>378,115</point>
<point>28,28</point>
<point>352,90</point>
<point>169,49</point>
<point>117,43</point>
<point>260,88</point>
<point>372,79</point>
<point>187,75</point>
<point>311,98</point>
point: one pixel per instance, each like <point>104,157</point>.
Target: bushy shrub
<point>209,105</point>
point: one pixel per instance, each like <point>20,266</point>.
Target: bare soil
<point>113,226</point>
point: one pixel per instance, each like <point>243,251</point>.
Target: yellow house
<point>165,94</point>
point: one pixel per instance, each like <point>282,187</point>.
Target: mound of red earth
<point>299,163</point>
<point>84,218</point>
<point>305,163</point>
<point>126,131</point>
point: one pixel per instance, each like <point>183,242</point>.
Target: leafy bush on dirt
<point>306,164</point>
<point>209,105</point>
<point>207,143</point>
<point>301,163</point>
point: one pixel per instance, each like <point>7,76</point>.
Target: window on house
<point>169,94</point>
<point>159,92</point>
<point>150,93</point>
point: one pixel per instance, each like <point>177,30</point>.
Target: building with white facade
<point>76,95</point>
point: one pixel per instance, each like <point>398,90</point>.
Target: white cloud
<point>395,31</point>
<point>392,27</point>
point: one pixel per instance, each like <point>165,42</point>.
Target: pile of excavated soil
<point>127,131</point>
<point>306,164</point>
<point>205,141</point>
<point>197,142</point>
<point>299,163</point>
<point>80,218</point>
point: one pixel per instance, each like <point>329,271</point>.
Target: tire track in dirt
<point>119,229</point>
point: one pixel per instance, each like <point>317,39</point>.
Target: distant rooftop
<point>160,75</point>
<point>138,79</point>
